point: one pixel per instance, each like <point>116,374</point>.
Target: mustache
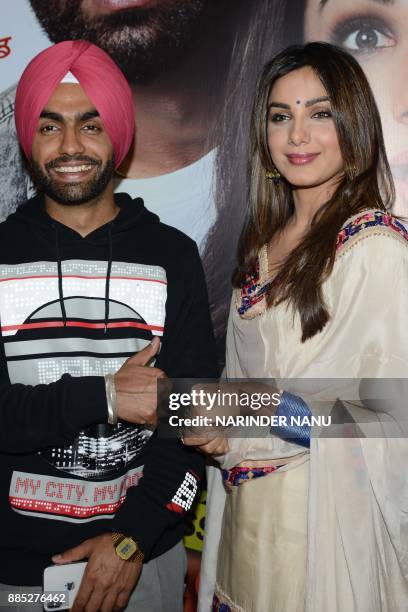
<point>64,159</point>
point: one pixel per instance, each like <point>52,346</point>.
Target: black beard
<point>145,42</point>
<point>73,194</point>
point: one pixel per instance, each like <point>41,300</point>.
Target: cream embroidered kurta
<point>357,517</point>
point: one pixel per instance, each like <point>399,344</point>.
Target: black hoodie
<point>71,310</point>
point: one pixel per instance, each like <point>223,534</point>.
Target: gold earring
<point>273,175</point>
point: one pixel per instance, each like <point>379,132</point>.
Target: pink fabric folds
<point>99,76</point>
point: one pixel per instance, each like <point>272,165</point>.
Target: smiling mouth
<point>299,159</point>
<point>73,169</point>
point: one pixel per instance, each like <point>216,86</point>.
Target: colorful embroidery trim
<point>252,291</point>
<point>370,220</point>
<point>218,606</point>
<point>239,475</point>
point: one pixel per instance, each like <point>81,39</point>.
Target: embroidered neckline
<point>251,296</point>
<point>376,218</point>
<point>252,291</point>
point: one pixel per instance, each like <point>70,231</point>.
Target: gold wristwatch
<point>126,548</point>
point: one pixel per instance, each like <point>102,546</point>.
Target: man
<point>176,55</point>
<point>87,279</point>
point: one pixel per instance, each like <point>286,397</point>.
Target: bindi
<point>297,101</point>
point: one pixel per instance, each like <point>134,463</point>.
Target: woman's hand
<point>213,447</point>
<point>211,438</point>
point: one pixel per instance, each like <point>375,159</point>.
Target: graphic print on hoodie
<point>84,318</point>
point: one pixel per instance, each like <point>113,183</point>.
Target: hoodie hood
<point>132,214</point>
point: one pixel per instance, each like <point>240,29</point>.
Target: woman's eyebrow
<point>316,100</point>
<point>279,105</point>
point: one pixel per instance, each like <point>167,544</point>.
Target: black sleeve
<point>34,417</point>
<point>188,343</point>
<point>172,471</point>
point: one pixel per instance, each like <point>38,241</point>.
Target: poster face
<point>376,34</point>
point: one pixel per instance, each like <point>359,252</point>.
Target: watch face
<point>126,548</point>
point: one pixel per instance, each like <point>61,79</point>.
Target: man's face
<point>72,156</point>
<point>145,37</point>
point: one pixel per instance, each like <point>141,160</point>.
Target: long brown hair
<point>366,182</point>
<point>255,43</point>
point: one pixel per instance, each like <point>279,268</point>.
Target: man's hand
<point>108,580</point>
<point>136,387</point>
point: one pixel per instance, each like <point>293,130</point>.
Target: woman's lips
<point>300,159</point>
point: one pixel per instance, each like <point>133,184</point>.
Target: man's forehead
<point>69,99</point>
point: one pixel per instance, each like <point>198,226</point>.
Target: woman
<point>321,292</point>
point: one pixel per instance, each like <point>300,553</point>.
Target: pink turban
<point>100,78</point>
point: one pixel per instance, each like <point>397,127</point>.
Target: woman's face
<point>376,33</point>
<point>302,137</point>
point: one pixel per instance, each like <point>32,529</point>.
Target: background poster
<point>193,66</point>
